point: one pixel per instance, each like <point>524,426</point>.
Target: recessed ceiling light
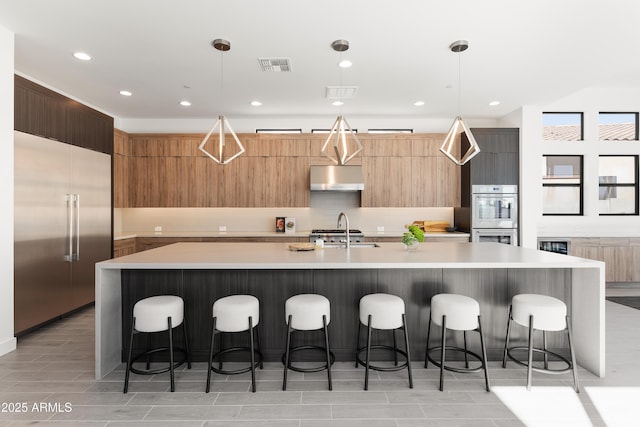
<point>418,103</point>
<point>256,103</point>
<point>345,63</point>
<point>185,103</point>
<point>337,103</point>
<point>125,93</point>
<point>82,56</point>
<point>494,103</point>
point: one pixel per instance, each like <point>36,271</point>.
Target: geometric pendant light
<point>342,144</point>
<point>222,124</point>
<point>459,125</point>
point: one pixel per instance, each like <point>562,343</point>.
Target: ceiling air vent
<point>340,92</point>
<point>274,65</point>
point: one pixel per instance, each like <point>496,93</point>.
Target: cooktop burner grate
<point>334,231</point>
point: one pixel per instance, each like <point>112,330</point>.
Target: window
<point>562,185</point>
<point>618,126</point>
<point>562,126</point>
<point>618,185</point>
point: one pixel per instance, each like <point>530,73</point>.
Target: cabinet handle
<point>69,255</point>
<point>76,256</point>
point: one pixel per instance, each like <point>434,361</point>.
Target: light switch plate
<point>157,228</point>
<point>380,228</point>
<point>222,228</point>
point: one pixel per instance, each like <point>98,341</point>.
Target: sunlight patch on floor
<point>544,406</point>
<point>617,405</point>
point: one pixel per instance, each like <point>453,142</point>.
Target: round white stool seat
<point>306,311</point>
<point>386,311</point>
<point>462,312</point>
<point>232,313</point>
<point>151,313</point>
<point>549,313</point>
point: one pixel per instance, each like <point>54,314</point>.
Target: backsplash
<point>323,213</point>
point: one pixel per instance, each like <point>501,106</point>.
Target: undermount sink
<point>352,245</point>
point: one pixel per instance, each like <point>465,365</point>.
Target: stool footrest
<point>308,347</point>
<point>563,359</point>
<point>454,368</point>
<point>378,367</point>
<point>257,363</point>
<point>159,370</point>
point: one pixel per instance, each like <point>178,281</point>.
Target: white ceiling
<point>521,53</point>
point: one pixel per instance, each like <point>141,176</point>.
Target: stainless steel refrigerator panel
<point>41,219</point>
<point>91,183</point>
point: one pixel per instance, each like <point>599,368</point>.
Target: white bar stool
<point>307,312</point>
<point>386,312</point>
<point>235,313</point>
<point>543,313</point>
<point>157,314</point>
<point>457,313</point>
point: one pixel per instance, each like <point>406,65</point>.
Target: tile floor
<point>49,380</point>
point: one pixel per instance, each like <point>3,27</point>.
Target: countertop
<point>305,234</point>
<point>187,255</point>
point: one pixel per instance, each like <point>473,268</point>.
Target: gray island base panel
<point>489,272</point>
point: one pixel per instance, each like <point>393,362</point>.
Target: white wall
<point>590,101</point>
<point>419,124</point>
<point>7,340</point>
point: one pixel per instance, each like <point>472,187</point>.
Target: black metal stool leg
<point>148,358</point>
<point>395,348</point>
<point>484,355</point>
<point>186,342</point>
<point>286,358</point>
<point>426,353</point>
<point>406,344</point>
<point>126,375</point>
<point>442,354</point>
<point>253,356</point>
<point>506,340</point>
<point>326,345</point>
<point>211,346</point>
<point>220,352</point>
<point>358,341</point>
<point>258,346</point>
<point>173,381</point>
<point>466,355</point>
<point>366,366</point>
<point>530,354</point>
<point>574,366</point>
<point>544,347</point>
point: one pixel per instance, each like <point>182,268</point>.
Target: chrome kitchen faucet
<point>346,231</point>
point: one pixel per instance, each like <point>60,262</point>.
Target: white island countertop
<point>585,278</point>
<point>188,255</point>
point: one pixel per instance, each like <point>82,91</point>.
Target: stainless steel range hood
<point>336,178</point>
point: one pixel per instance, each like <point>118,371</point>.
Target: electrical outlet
<point>222,228</point>
<point>381,229</point>
<point>157,228</point>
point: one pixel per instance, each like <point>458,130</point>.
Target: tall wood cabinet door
<point>387,182</point>
<point>294,181</point>
<point>120,181</point>
<point>617,260</point>
<point>176,182</point>
<point>634,250</point>
<point>447,183</point>
<point>207,183</point>
<point>424,180</point>
<point>244,182</point>
<point>139,182</point>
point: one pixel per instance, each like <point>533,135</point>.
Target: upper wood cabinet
<point>168,170</point>
<point>43,112</point>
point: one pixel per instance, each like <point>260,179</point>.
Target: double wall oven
<point>494,213</point>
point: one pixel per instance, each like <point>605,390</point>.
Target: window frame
<point>580,113</point>
<point>580,185</point>
<point>636,130</point>
<point>634,185</point>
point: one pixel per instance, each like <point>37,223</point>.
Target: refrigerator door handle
<point>69,199</point>
<point>76,255</point>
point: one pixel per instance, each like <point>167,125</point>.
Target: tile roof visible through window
<point>608,132</point>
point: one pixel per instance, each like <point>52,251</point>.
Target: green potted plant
<point>413,237</point>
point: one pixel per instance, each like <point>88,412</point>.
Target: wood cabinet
<point>168,170</point>
<point>497,163</point>
<point>621,255</point>
<point>43,112</point>
<point>124,247</point>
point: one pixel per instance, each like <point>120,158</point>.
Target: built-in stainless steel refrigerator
<point>62,227</point>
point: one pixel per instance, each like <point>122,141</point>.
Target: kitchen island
<point>489,272</point>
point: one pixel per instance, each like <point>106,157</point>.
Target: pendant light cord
<point>459,84</point>
<point>221,76</point>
